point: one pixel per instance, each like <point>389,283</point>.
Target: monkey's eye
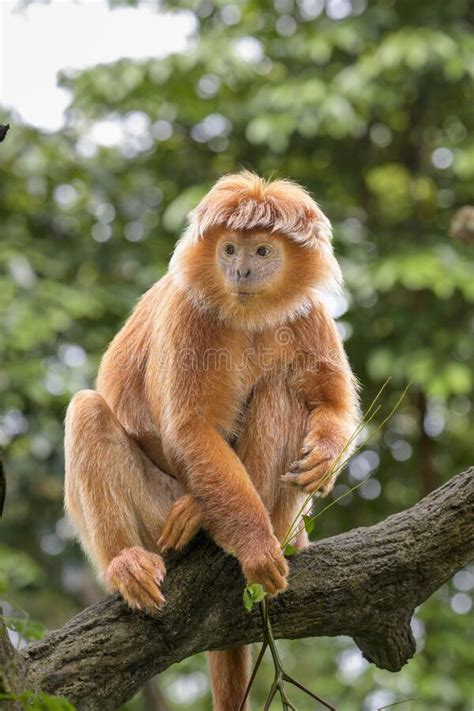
<point>229,248</point>
<point>264,250</point>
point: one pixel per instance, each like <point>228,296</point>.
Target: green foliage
<point>252,593</point>
<point>308,523</point>
<point>17,570</point>
<point>25,627</point>
<point>29,701</point>
<point>373,113</point>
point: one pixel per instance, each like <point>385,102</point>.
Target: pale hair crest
<point>244,201</point>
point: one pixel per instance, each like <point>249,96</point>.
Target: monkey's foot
<point>315,472</point>
<point>183,522</point>
<point>137,575</point>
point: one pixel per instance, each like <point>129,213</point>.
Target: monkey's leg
<point>117,499</point>
<point>270,439</point>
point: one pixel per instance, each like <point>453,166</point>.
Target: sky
<point>38,41</point>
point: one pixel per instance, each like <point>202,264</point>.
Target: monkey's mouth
<point>246,294</point>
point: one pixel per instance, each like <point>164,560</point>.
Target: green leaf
<point>308,523</point>
<point>253,593</point>
<point>247,600</point>
<point>290,550</point>
<point>258,592</point>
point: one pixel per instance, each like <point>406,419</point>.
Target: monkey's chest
<point>255,382</point>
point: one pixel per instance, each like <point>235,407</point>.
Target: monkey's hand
<point>264,563</point>
<point>137,575</point>
<point>317,469</point>
<point>182,524</point>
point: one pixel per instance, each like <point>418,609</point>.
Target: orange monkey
<point>220,404</point>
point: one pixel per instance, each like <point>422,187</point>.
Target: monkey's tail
<point>230,674</point>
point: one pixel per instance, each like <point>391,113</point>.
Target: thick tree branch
<point>364,583</point>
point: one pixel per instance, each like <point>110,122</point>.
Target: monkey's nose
<point>243,273</point>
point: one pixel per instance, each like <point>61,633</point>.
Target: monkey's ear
<point>321,228</point>
<point>330,277</point>
<point>193,231</point>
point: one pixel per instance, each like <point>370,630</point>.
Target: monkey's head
<point>254,251</point>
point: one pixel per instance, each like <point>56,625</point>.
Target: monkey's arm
<point>231,509</point>
<point>330,392</point>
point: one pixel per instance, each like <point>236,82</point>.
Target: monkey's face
<point>251,278</point>
<point>250,264</point>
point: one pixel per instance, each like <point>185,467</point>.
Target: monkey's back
<point>121,376</point>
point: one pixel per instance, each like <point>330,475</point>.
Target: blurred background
<point>367,104</point>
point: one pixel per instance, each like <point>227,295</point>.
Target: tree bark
<point>365,583</point>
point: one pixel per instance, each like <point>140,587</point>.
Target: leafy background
<point>370,107</point>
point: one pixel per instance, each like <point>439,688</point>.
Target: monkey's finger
<point>166,542</point>
<point>163,542</point>
<point>130,598</point>
<point>184,510</point>
<point>323,487</point>
<point>269,586</point>
<point>268,583</point>
<point>142,597</point>
<point>152,565</point>
<point>274,578</point>
<point>160,575</point>
<point>282,566</point>
<point>304,479</point>
<point>305,451</point>
<point>147,572</point>
<point>312,460</point>
<point>176,534</point>
<point>182,505</point>
<point>310,479</point>
<point>171,532</point>
<point>147,580</point>
<point>305,455</point>
<point>318,463</point>
<point>190,529</point>
<point>275,584</point>
<point>139,592</point>
<point>174,522</point>
<point>270,579</point>
<point>151,589</point>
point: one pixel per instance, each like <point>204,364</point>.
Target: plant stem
<point>254,672</point>
<point>297,525</point>
<point>281,677</point>
<point>366,418</point>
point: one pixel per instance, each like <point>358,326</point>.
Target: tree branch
<point>364,583</point>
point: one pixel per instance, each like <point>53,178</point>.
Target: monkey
<point>224,400</point>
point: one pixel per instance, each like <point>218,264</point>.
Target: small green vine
<point>255,594</point>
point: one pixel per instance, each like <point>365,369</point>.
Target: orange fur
<point>204,401</point>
